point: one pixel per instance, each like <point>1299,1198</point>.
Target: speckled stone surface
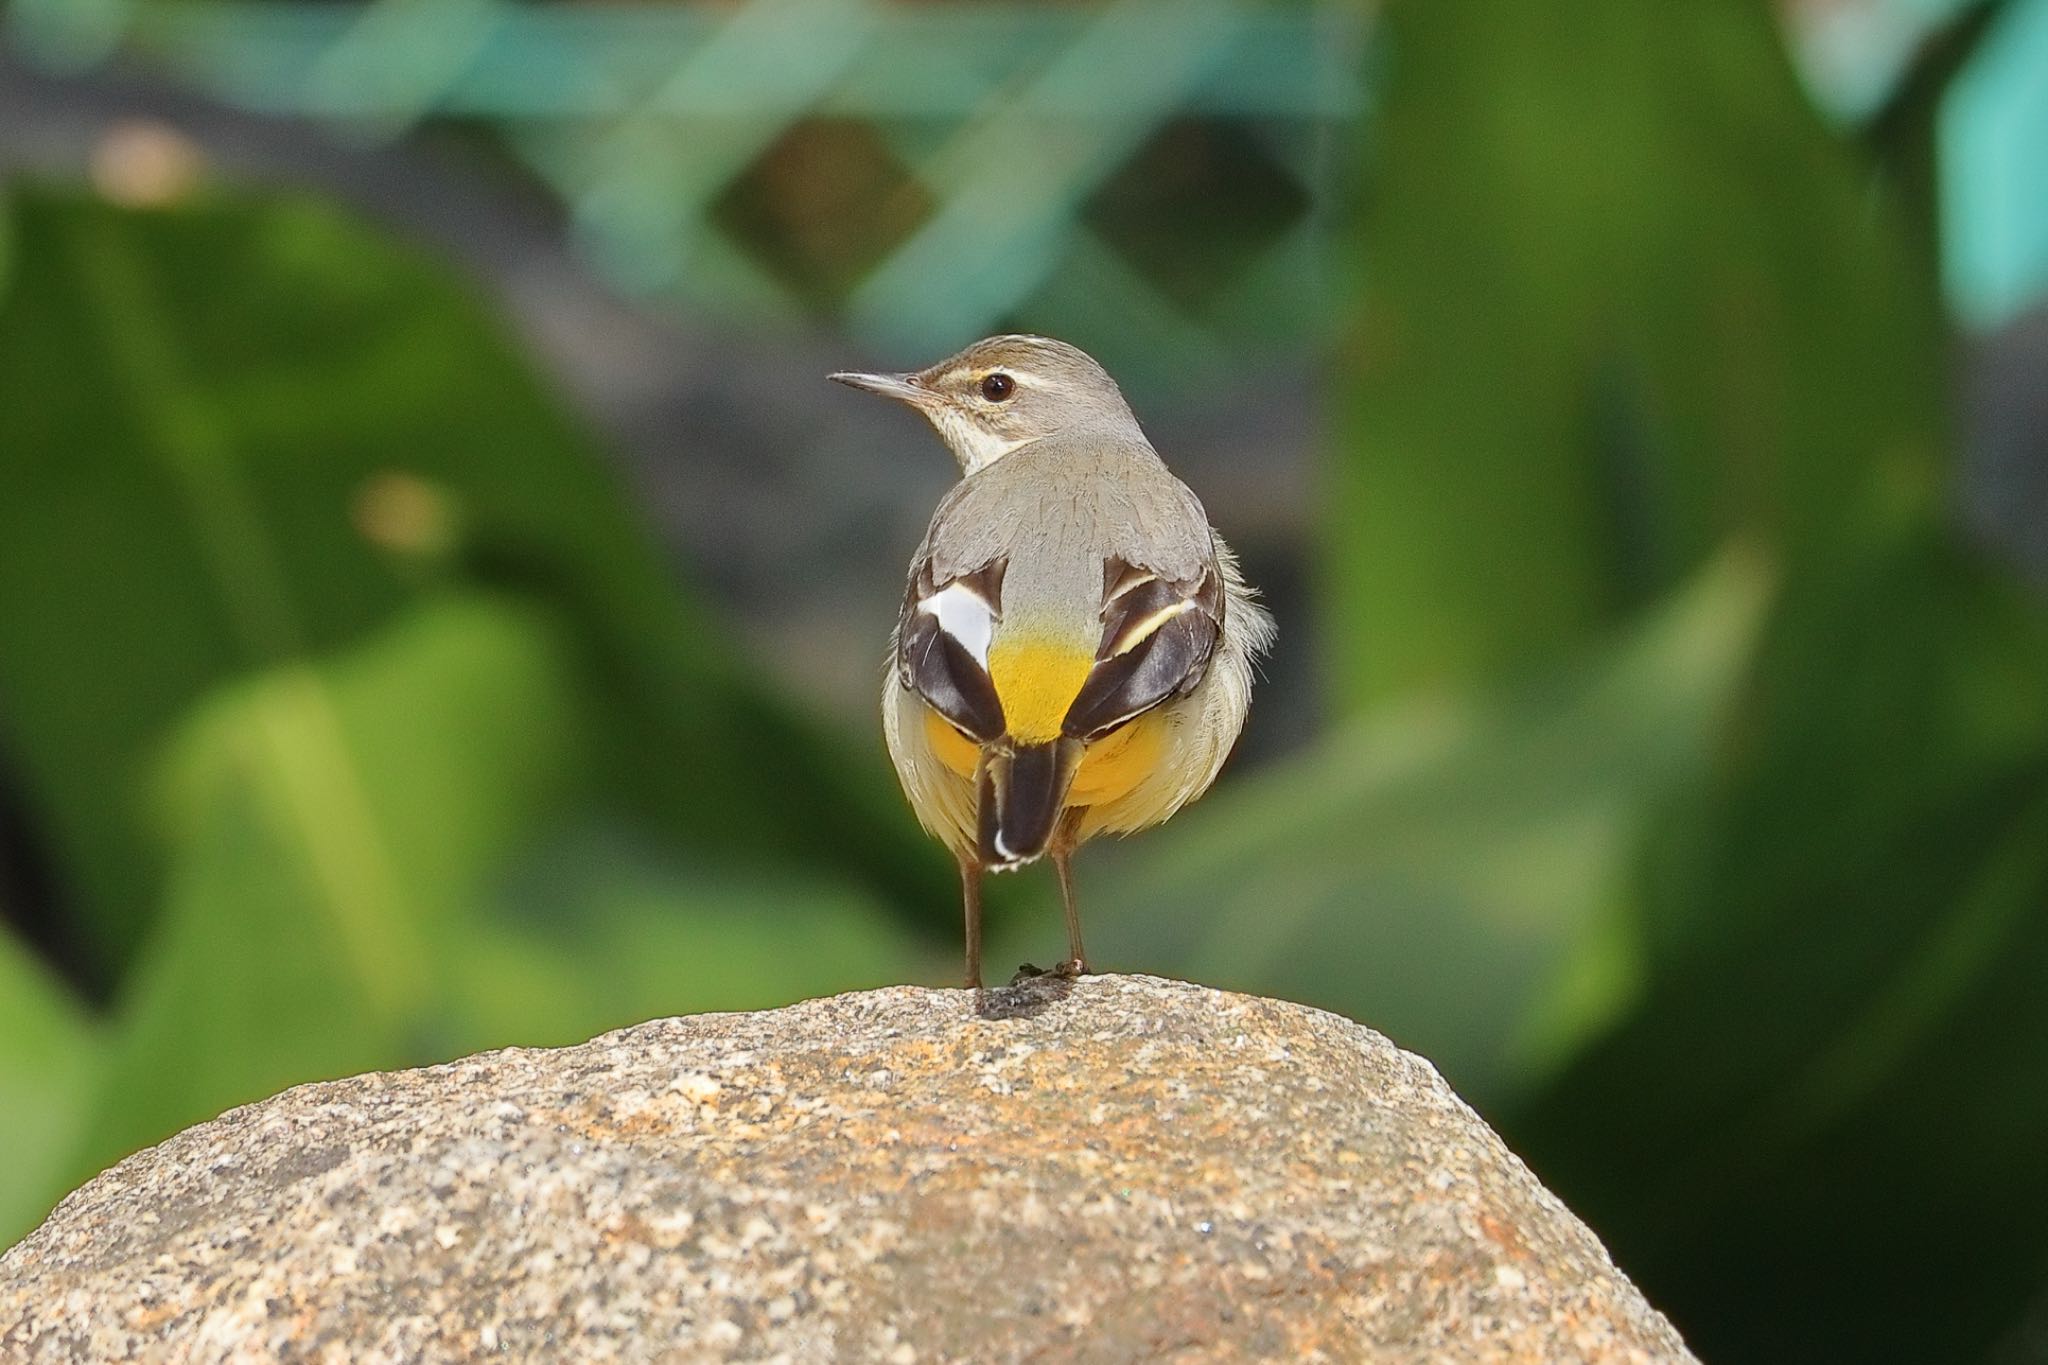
<point>1120,1169</point>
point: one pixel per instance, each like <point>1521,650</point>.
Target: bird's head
<point>1004,392</point>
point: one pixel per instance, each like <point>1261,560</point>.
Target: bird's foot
<point>1069,970</point>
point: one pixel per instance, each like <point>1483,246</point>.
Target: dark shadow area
<point>1031,992</point>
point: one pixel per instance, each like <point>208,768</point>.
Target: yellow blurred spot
<point>143,164</point>
<point>405,515</point>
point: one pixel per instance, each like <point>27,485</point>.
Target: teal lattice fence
<point>991,142</point>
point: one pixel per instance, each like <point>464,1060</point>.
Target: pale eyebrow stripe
<point>983,371</point>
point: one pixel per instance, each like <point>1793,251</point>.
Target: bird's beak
<point>902,387</point>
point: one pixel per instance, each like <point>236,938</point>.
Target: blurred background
<point>442,603</point>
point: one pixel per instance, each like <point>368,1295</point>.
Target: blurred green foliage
<point>324,647</point>
<point>1685,798</point>
<point>1628,298</point>
<point>1631,303</point>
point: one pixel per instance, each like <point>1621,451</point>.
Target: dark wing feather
<point>1157,637</point>
<point>938,668</point>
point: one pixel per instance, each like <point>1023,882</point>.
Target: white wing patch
<point>963,614</point>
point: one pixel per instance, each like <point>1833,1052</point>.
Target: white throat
<point>972,444</point>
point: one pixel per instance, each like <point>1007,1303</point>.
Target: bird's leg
<point>1061,851</point>
<point>970,897</point>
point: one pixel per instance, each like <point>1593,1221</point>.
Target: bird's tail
<point>1022,793</point>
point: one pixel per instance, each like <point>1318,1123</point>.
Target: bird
<point>1076,646</point>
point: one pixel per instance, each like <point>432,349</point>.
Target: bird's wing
<point>942,644</point>
<point>1158,631</point>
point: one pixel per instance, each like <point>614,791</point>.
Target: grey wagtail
<point>1075,651</point>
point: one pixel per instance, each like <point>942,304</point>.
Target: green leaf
<point>1455,874</point>
<point>1625,295</point>
<point>49,1051</point>
<point>1838,1044</point>
<point>243,432</point>
<point>332,829</point>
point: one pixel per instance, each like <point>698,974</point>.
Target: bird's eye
<point>998,386</point>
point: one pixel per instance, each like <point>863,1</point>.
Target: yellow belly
<point>1112,767</point>
<point>949,746</point>
<point>1119,761</point>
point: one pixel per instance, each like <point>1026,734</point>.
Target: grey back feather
<point>1056,510</point>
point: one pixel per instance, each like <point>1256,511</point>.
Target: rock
<point>1123,1169</point>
